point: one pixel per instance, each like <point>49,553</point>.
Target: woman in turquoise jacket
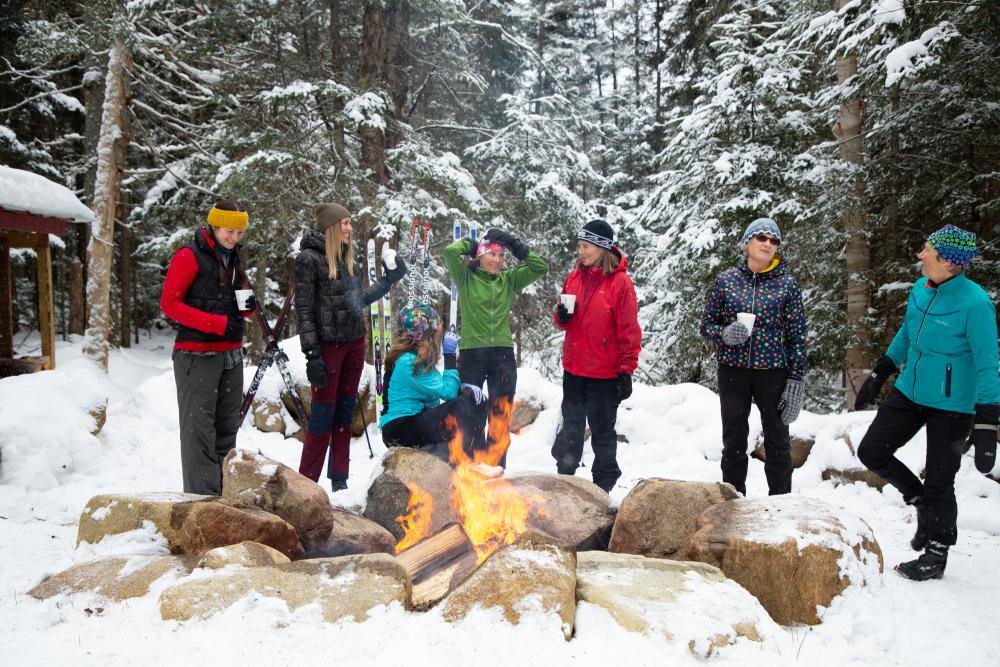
<point>413,414</point>
<point>947,350</point>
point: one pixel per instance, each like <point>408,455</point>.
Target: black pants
<point>208,403</point>
<point>428,430</point>
<point>595,401</point>
<point>897,421</point>
<point>737,388</point>
<point>496,368</point>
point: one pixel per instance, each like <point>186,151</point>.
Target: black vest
<point>207,295</point>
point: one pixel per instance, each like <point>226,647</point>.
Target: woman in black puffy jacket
<point>331,304</point>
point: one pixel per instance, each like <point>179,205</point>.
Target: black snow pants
<point>897,421</point>
<point>737,388</point>
<point>209,396</point>
<point>428,430</point>
<point>495,370</point>
<point>594,401</point>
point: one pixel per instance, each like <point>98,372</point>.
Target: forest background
<point>859,126</point>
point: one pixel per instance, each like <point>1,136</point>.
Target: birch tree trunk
<point>100,250</point>
<point>858,259</point>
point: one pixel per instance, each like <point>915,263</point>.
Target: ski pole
<point>364,421</point>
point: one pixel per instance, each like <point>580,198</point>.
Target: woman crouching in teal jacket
<point>413,414</point>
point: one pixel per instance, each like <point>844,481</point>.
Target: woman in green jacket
<point>485,293</point>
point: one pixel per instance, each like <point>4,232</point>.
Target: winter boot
<point>930,565</point>
<point>920,538</point>
<point>338,484</point>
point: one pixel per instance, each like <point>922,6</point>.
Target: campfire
<point>490,511</point>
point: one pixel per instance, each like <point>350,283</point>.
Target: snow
<point>890,11</point>
<point>24,191</point>
<point>51,466</point>
<point>911,57</point>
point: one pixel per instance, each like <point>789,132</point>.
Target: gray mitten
<point>735,334</point>
<point>791,400</point>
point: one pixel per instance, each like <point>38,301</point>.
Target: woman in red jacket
<point>600,353</point>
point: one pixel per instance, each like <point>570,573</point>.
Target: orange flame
<point>491,511</point>
<point>416,523</point>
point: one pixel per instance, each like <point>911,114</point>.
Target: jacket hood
<point>778,270</point>
<point>313,240</point>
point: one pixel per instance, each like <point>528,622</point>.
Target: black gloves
<point>562,314</point>
<point>984,436</point>
<point>393,276</point>
<point>624,383</point>
<point>872,385</point>
<point>507,240</point>
<point>315,368</point>
<point>473,247</point>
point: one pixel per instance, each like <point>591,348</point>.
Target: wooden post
<point>46,311</point>
<point>6,296</point>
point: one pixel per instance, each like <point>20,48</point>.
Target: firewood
<point>437,564</point>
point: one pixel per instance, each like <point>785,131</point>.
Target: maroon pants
<point>332,411</point>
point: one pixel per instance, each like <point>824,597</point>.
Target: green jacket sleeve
<point>531,269</point>
<point>457,269</point>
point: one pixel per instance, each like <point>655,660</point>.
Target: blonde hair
<point>335,251</point>
<point>608,261</point>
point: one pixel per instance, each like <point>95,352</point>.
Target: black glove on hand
<point>473,248</point>
<point>984,436</point>
<point>393,276</point>
<point>624,382</point>
<point>870,388</point>
<point>315,368</point>
<point>507,240</point>
<point>562,314</point>
<point>251,303</point>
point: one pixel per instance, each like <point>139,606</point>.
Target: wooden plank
<point>46,309</point>
<point>440,546</point>
<point>26,239</point>
<point>6,312</point>
<point>30,222</point>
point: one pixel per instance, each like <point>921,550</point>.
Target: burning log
<point>437,564</point>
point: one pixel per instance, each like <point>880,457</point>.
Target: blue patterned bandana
<point>760,226</point>
<point>418,320</point>
<point>955,245</point>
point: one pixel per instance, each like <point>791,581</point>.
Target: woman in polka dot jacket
<point>762,359</point>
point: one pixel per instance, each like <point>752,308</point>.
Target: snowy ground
<point>51,466</point>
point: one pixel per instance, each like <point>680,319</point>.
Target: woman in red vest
<point>600,353</point>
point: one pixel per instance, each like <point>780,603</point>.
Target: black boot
<point>338,484</point>
<point>930,565</point>
<point>920,538</point>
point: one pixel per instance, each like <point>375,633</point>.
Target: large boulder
<point>364,411</point>
<point>692,604</point>
<point>523,413</point>
<point>115,578</point>
<point>354,534</point>
<point>573,511</point>
<point>244,554</point>
<point>268,416</point>
<point>856,475</point>
<point>342,587</point>
<point>191,524</point>
<point>792,553</point>
<point>658,516</point>
<point>389,494</point>
<point>801,447</point>
<point>529,576</point>
<point>253,479</point>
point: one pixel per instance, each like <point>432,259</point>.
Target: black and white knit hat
<point>599,233</point>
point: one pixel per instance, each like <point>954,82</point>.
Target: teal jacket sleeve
<point>900,346</point>
<point>981,332</point>
<point>437,385</point>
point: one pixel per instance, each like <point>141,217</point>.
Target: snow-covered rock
<point>114,578</point>
<point>794,554</point>
<point>244,554</point>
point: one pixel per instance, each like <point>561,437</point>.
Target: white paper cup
<point>747,320</point>
<point>568,300</point>
<point>241,298</point>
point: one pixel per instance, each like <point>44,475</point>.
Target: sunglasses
<point>764,238</point>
